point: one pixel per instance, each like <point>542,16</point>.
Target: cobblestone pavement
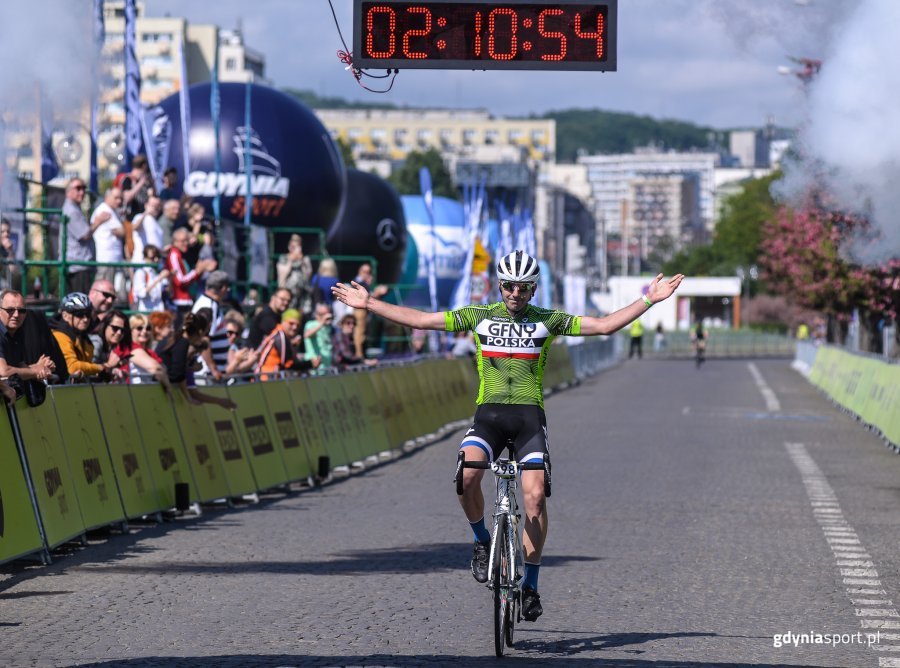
<point>683,533</point>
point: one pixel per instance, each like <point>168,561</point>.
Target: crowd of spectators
<point>172,317</point>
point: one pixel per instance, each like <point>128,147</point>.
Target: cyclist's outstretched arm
<point>658,291</point>
<point>357,296</point>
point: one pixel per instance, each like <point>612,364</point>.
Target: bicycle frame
<point>506,504</point>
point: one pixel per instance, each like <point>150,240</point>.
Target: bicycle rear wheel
<point>501,590</point>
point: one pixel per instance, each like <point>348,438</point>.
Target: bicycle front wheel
<point>502,592</point>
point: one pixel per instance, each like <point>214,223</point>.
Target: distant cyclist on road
<point>513,339</point>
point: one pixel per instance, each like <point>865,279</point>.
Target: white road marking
<point>772,403</point>
<point>851,559</point>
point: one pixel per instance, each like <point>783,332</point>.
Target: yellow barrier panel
<point>310,431</point>
<point>867,387</point>
<point>281,408</point>
<point>204,458</point>
<point>258,432</point>
<point>324,416</point>
<point>162,441</point>
<point>51,478</point>
<point>422,379</point>
<point>354,416</point>
<point>19,533</point>
<point>386,407</point>
<point>228,438</point>
<point>341,420</point>
<point>406,422</point>
<point>464,386</point>
<point>371,410</point>
<point>890,402</point>
<point>126,450</point>
<point>85,445</point>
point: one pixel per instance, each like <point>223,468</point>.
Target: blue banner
<point>133,141</point>
<point>215,106</point>
<point>99,38</point>
<point>49,165</point>
<point>184,105</point>
<point>472,205</point>
<point>248,155</point>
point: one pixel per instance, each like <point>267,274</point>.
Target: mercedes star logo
<point>388,234</point>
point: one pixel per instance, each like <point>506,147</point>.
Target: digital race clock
<point>444,34</point>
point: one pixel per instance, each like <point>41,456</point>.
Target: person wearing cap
<point>215,358</point>
<point>277,353</point>
<point>70,329</point>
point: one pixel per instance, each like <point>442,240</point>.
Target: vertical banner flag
<point>525,239</point>
<point>215,105</point>
<point>248,155</point>
<point>157,133</point>
<point>259,254</point>
<point>49,165</point>
<point>184,106</point>
<point>431,259</point>
<point>472,204</point>
<point>99,38</point>
<point>132,87</point>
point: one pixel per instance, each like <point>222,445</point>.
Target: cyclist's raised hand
<point>660,291</point>
<point>354,295</point>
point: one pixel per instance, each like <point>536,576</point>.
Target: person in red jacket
<point>181,276</point>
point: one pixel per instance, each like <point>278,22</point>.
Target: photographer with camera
<point>318,335</point>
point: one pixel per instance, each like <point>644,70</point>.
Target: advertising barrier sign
<point>19,533</point>
<point>258,432</point>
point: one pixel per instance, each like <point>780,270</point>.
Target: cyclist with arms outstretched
<point>513,340</point>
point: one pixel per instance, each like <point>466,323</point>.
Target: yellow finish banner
<point>53,483</point>
<point>126,451</point>
<point>19,533</point>
<point>259,435</point>
<point>162,442</point>
<point>201,447</point>
<point>308,424</point>
<point>85,444</point>
<point>228,437</point>
<point>287,431</point>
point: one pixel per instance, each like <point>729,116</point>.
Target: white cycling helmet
<point>518,266</point>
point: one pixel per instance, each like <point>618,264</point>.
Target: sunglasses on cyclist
<point>509,286</point>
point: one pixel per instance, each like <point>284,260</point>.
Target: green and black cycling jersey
<point>512,351</point>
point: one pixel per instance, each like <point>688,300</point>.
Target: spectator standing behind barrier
<point>180,356</point>
<point>659,339</point>
<point>102,297</point>
<point>344,351</point>
<point>136,185</point>
<point>146,230</point>
<point>636,331</point>
<point>148,286</point>
<point>463,344</point>
<point>325,279</point>
<point>70,328</point>
<point>364,278</point>
<point>171,210</point>
<point>276,352</point>
<point>162,329</point>
<point>268,318</point>
<point>139,325</point>
<point>241,358</point>
<point>294,271</point>
<point>117,341</point>
<point>10,276</point>
<point>317,334</point>
<point>79,237</point>
<point>699,337</point>
<point>215,357</point>
<point>181,276</point>
<point>170,185</point>
<point>109,233</point>
<point>13,353</point>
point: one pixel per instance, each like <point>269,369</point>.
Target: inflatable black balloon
<point>297,172</point>
<point>372,223</point>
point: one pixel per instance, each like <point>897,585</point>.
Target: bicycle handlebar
<point>461,464</point>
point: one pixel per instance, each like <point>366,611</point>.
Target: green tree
<point>406,178</point>
<point>346,153</point>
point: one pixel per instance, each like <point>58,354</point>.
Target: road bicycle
<point>505,566</point>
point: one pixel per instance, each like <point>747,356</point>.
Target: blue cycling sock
<point>482,535</point>
<point>531,575</point>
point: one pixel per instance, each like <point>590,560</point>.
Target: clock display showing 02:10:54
<point>485,35</point>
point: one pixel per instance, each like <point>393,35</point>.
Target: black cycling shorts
<point>497,424</point>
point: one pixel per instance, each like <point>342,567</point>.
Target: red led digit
<point>592,35</point>
<point>552,35</point>
<point>370,25</point>
<point>417,33</point>
<point>477,33</point>
<point>514,26</point>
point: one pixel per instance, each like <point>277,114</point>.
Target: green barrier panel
<point>402,406</point>
<point>371,411</point>
<point>19,532</point>
<point>326,419</point>
<point>355,415</point>
<point>287,430</point>
<point>865,375</point>
<point>89,462</point>
<point>126,451</point>
<point>464,387</point>
<point>162,442</point>
<point>204,458</point>
<point>889,422</point>
<point>258,432</point>
<point>226,434</point>
<point>418,413</point>
<point>426,378</point>
<point>386,407</point>
<point>310,431</point>
<point>342,422</point>
<point>53,483</point>
<point>816,374</point>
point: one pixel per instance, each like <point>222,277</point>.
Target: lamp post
<point>745,275</point>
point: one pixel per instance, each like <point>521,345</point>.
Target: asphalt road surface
<point>696,515</point>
